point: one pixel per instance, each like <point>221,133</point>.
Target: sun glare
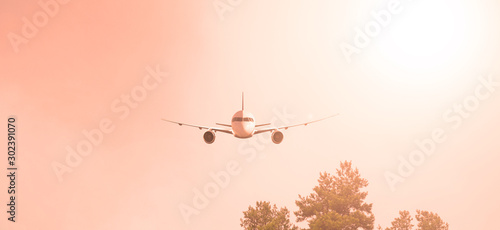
<point>427,41</point>
<point>428,36</point>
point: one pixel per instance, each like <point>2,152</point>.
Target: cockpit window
<point>242,119</point>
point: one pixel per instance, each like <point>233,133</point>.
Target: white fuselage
<point>243,124</point>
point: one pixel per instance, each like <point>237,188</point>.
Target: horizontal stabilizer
<point>223,124</point>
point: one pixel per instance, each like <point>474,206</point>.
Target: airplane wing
<point>202,127</point>
<point>290,126</point>
<point>262,124</point>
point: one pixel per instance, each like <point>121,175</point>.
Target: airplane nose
<point>249,127</point>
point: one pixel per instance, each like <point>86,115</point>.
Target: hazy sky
<point>426,69</point>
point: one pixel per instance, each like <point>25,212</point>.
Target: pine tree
<point>403,222</point>
<point>337,202</point>
<point>265,217</point>
<point>430,221</point>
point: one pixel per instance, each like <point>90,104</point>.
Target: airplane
<point>243,126</point>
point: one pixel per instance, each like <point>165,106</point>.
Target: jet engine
<point>209,137</point>
<point>277,136</point>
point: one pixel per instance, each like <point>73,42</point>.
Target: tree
<point>430,221</point>
<point>426,221</point>
<point>337,202</point>
<point>265,217</point>
<point>403,222</point>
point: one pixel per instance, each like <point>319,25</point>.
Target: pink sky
<point>284,55</point>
